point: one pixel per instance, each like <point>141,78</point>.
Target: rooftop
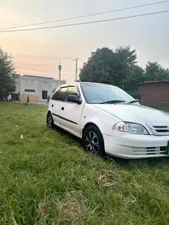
<point>160,81</point>
<point>38,77</point>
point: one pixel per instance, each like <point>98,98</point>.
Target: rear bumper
<point>136,146</point>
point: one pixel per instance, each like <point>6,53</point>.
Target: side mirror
<point>74,98</point>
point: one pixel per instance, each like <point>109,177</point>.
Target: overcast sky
<point>148,35</point>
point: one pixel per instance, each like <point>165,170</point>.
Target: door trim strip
<point>64,119</point>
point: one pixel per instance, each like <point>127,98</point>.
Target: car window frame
<point>78,92</point>
<point>67,86</point>
<point>57,91</point>
<point>74,86</point>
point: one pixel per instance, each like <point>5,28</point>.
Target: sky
<point>39,52</point>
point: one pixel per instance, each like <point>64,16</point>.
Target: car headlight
<point>132,128</point>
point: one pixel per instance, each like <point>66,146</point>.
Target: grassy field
<point>47,178</point>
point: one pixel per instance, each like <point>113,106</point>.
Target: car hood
<point>135,113</point>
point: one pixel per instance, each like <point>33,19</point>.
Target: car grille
<point>159,130</point>
<point>151,151</point>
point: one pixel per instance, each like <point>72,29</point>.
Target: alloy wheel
<point>92,142</point>
<point>50,121</point>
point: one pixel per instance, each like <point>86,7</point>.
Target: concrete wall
<point>17,80</point>
<point>24,85</point>
<point>28,83</point>
<point>32,97</point>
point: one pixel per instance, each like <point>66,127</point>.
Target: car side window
<point>72,90</point>
<point>61,94</point>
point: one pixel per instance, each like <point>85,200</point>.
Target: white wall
<point>28,83</point>
<point>38,84</point>
<point>17,81</point>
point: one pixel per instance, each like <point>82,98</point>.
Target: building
<point>38,88</point>
<point>154,92</point>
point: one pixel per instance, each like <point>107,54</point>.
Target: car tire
<point>49,120</point>
<point>93,141</point>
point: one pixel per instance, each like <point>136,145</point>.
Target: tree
<point>109,66</point>
<point>7,71</point>
<point>155,72</point>
<point>134,78</point>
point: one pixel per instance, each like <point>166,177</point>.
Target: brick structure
<point>154,92</point>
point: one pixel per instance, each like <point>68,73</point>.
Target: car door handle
<point>62,108</point>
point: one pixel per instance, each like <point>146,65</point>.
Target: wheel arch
<point>90,124</point>
<point>93,124</point>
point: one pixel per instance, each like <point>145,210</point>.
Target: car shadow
<point>70,138</point>
<point>153,162</point>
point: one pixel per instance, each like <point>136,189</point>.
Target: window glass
<point>61,94</point>
<point>29,90</point>
<point>99,93</point>
<point>72,90</point>
<point>44,94</point>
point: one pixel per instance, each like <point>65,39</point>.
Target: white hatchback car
<point>109,121</point>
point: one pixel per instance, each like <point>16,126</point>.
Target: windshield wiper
<point>131,102</point>
<point>112,102</point>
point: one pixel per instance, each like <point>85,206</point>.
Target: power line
<point>35,64</point>
<point>84,16</point>
<point>42,57</point>
<point>89,22</point>
<point>43,73</point>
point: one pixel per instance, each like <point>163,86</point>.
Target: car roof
<point>86,83</point>
<point>96,84</point>
<point>66,85</point>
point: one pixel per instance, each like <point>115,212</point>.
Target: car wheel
<point>49,120</point>
<point>93,141</point>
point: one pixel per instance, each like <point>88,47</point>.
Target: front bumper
<point>136,146</point>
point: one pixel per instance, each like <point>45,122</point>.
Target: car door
<point>56,103</point>
<point>70,113</point>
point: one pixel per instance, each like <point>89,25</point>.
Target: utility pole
<point>76,69</point>
<point>60,69</point>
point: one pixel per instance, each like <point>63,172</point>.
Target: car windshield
<point>104,94</point>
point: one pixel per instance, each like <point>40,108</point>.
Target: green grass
<point>47,178</point>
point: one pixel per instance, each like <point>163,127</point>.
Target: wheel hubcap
<point>92,142</point>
